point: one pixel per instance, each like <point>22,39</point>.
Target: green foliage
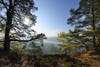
<point>75,54</point>
<point>89,33</point>
<point>69,46</point>
<point>85,20</point>
<point>12,22</point>
<point>17,47</point>
<point>78,39</point>
<point>68,41</point>
<point>34,49</point>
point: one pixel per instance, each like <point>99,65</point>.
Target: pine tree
<point>86,21</point>
<point>85,16</point>
<point>12,17</point>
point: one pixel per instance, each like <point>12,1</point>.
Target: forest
<point>22,46</point>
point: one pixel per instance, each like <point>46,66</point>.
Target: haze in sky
<point>52,16</point>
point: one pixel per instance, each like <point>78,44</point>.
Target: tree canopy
<point>86,20</point>
<point>16,21</point>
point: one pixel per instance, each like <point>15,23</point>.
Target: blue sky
<point>52,16</point>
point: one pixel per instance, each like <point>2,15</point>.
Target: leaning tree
<point>13,17</point>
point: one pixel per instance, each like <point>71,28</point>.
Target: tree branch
<point>2,2</point>
<point>38,37</point>
<point>20,40</point>
<point>1,41</point>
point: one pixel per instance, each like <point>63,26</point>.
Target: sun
<point>26,21</point>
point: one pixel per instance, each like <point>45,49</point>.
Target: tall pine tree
<point>12,21</point>
<point>85,16</point>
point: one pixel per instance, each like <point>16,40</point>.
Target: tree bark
<point>7,31</point>
<point>7,40</point>
<point>93,24</point>
<point>8,27</point>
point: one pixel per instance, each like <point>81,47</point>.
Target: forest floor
<point>88,59</point>
<point>91,57</point>
<point>40,61</point>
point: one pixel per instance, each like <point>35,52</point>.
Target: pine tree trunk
<point>93,24</point>
<point>7,40</point>
<point>8,27</point>
<point>7,31</point>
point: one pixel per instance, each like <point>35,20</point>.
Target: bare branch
<point>20,40</point>
<point>2,2</point>
<point>1,41</point>
<point>23,40</point>
<point>38,37</point>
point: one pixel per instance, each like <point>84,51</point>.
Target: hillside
<point>88,59</point>
<point>91,57</point>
